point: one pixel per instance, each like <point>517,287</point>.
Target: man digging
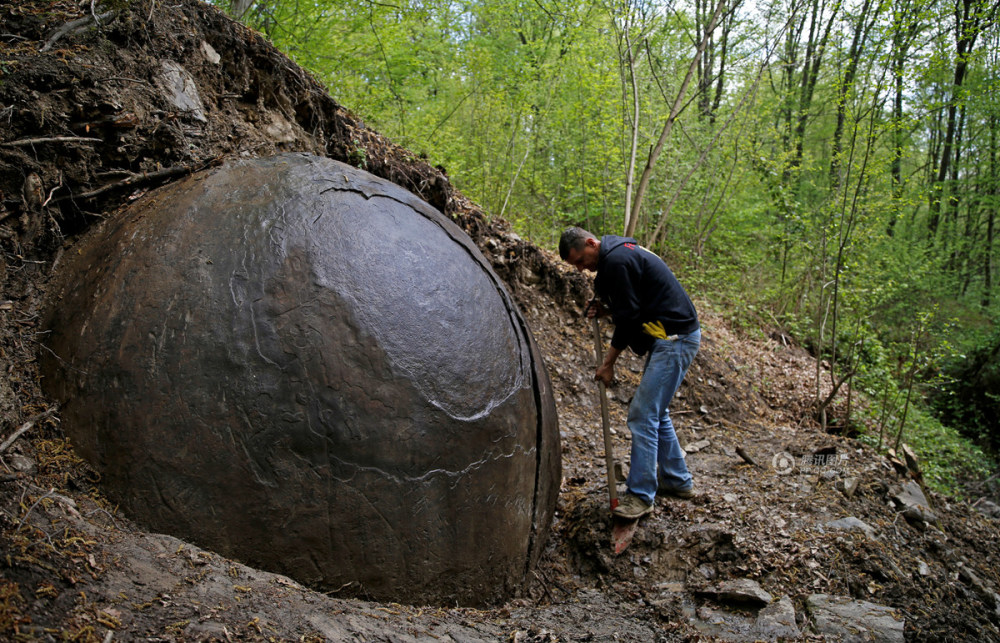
<point>652,315</point>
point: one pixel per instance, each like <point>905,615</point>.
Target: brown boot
<point>632,507</point>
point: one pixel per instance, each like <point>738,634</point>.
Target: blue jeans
<point>654,441</point>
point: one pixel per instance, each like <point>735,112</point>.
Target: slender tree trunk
<point>627,60</point>
<point>720,81</point>
<point>788,66</point>
<point>860,37</point>
<point>970,17</point>
<point>706,63</point>
<point>994,188</point>
<point>953,241</point>
<point>238,8</point>
<point>968,244</point>
<point>750,93</point>
<point>675,111</point>
<point>815,49</point>
<point>845,229</point>
<point>904,30</point>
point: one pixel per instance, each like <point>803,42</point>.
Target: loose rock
<point>847,486</point>
<point>695,447</point>
<point>854,621</point>
<point>912,502</point>
<point>852,524</point>
<point>777,620</point>
<point>741,591</point>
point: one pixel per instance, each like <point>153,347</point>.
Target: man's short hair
<point>573,239</point>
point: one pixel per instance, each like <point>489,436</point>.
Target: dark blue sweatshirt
<point>637,287</point>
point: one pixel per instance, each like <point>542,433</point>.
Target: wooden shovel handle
<point>609,459</point>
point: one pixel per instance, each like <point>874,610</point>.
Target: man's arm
<point>622,279</point>
<point>606,371</point>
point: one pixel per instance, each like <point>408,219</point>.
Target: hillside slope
<point>95,119</point>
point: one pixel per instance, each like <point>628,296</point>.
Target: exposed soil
<point>85,127</point>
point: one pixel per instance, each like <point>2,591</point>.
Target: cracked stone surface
<point>304,367</point>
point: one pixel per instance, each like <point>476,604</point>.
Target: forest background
<point>823,167</point>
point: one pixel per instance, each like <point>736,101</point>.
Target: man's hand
<point>595,309</point>
<point>605,373</point>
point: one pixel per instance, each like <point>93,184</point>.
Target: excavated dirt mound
<point>96,109</point>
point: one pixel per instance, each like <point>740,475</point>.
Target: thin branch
<point>704,154</point>
<point>740,451</point>
<point>53,190</point>
<point>24,519</point>
<point>26,426</point>
<point>139,179</point>
<point>73,25</point>
<point>51,139</point>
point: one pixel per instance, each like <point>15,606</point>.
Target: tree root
<point>75,25</point>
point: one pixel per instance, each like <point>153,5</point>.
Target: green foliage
<point>947,458</point>
<point>968,395</point>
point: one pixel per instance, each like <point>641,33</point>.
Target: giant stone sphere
<point>305,367</point>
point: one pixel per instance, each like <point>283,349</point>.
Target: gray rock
<point>853,621</point>
<point>722,625</point>
<point>740,590</point>
<point>851,524</point>
<point>773,622</point>
<point>695,447</point>
<point>847,486</point>
<point>208,631</point>
<point>211,55</point>
<point>180,90</point>
<point>988,508</point>
<point>21,463</point>
<point>912,502</point>
<point>277,128</point>
<point>778,620</point>
<point>970,578</point>
<point>529,276</point>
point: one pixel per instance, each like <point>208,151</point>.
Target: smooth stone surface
<point>299,365</point>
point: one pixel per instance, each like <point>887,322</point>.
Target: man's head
<point>579,248</point>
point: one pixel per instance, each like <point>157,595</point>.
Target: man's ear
<point>591,241</point>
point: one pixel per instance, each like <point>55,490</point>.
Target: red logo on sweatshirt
<point>630,246</point>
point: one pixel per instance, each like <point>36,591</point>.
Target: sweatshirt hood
<point>610,242</point>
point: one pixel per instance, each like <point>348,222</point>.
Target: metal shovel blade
<point>622,531</point>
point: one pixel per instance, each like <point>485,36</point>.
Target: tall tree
<point>971,17</point>
<point>632,216</point>
<point>863,22</point>
<point>906,24</point>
